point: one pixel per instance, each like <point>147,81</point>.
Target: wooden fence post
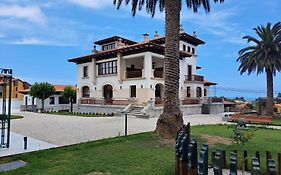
<point>258,156</point>
<point>245,159</point>
<point>279,163</point>
<point>213,158</point>
<point>223,159</point>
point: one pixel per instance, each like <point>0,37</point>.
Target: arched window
<point>198,92</point>
<point>85,91</point>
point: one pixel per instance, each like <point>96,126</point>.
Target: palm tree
<point>264,55</point>
<point>171,120</point>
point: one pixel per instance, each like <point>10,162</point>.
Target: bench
<point>251,118</point>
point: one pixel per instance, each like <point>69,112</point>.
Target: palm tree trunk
<point>269,100</point>
<point>171,120</point>
<point>42,107</point>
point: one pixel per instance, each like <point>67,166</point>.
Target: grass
<point>16,117</point>
<point>138,154</point>
<point>263,140</point>
<point>276,121</point>
<point>79,114</point>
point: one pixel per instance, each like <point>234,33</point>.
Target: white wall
<point>15,105</point>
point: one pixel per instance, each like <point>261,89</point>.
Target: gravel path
<point>66,130</point>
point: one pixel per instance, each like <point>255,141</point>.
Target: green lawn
<point>16,117</point>
<point>141,154</point>
<point>79,114</point>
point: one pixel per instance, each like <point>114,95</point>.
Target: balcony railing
<point>105,101</point>
<point>158,74</point>
<point>134,73</point>
<point>192,78</point>
<point>91,101</point>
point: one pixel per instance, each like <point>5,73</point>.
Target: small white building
<point>125,72</point>
<point>54,103</point>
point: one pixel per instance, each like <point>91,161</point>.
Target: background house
<point>17,98</point>
<point>54,103</point>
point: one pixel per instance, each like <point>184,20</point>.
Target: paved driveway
<point>65,130</point>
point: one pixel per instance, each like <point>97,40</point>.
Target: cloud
<point>95,4</point>
<point>32,14</point>
<point>218,23</point>
<point>35,41</point>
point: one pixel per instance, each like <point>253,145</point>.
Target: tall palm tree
<point>264,55</point>
<point>171,120</point>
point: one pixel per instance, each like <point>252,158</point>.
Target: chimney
<point>194,34</point>
<point>146,37</point>
<point>95,50</point>
<point>119,43</point>
<point>156,35</point>
<point>181,29</point>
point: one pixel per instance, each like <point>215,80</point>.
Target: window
<point>16,95</point>
<point>184,47</point>
<point>1,94</point>
<point>198,92</point>
<point>63,100</point>
<point>188,48</point>
<point>85,91</point>
<point>52,100</point>
<point>205,92</point>
<point>109,67</point>
<point>16,88</point>
<point>133,91</point>
<point>193,50</point>
<point>85,71</point>
<point>188,92</point>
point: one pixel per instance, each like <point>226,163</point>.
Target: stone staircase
<point>136,111</point>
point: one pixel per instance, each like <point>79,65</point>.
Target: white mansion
<point>125,72</point>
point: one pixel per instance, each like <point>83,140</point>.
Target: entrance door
<point>108,94</point>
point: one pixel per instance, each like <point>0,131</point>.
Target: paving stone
<point>12,165</point>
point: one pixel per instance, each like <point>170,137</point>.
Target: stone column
<point>94,66</point>
<point>120,67</point>
<point>147,65</point>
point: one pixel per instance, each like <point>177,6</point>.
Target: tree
<point>171,119</point>
<point>42,91</point>
<point>69,94</point>
<point>263,55</point>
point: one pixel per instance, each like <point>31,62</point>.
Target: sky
<point>37,37</point>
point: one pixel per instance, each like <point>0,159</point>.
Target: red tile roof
<point>125,50</point>
<point>58,88</point>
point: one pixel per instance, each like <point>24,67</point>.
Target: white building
<point>125,72</point>
<point>54,103</point>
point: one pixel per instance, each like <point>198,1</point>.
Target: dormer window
<point>193,50</point>
<point>188,49</point>
<point>108,46</point>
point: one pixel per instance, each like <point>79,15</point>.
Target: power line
<point>253,91</point>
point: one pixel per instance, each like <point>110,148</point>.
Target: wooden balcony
<point>134,74</point>
<point>190,101</point>
<point>194,78</point>
<point>158,74</point>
